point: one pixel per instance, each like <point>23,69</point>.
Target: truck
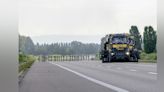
<point>116,47</point>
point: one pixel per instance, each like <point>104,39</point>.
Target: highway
<point>90,76</point>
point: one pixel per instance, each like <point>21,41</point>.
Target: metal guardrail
<point>66,57</point>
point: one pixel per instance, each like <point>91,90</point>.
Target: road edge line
<point>92,79</point>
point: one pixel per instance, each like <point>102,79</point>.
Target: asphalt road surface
<point>90,76</point>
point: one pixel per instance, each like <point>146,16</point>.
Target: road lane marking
<point>93,80</point>
<point>152,73</point>
<point>133,70</point>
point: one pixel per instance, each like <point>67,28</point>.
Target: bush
<point>22,58</point>
<point>151,56</point>
<point>26,62</point>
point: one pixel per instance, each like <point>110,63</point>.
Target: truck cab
<point>118,47</point>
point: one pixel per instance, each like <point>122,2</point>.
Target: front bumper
<point>120,55</point>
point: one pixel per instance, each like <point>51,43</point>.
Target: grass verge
<point>148,58</point>
<point>26,62</point>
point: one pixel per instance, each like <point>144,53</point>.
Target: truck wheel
<point>109,60</point>
<point>103,60</point>
<point>131,59</point>
<point>135,59</point>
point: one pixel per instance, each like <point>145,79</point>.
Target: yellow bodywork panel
<point>120,46</point>
<point>130,47</point>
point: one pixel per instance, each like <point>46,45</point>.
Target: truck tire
<point>136,59</point>
<point>109,60</point>
<point>104,60</point>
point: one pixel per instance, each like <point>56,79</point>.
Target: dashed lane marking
<point>152,73</point>
<point>133,70</point>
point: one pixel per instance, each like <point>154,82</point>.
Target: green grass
<point>25,62</point>
<point>152,57</point>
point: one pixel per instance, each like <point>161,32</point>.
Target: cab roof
<point>121,34</point>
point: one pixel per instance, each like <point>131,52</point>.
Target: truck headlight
<point>127,53</point>
<point>112,53</point>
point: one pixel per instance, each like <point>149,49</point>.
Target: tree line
<point>148,42</point>
<point>27,46</point>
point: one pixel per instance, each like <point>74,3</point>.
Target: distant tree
<point>74,48</point>
<point>26,45</point>
<point>137,37</point>
<point>150,39</point>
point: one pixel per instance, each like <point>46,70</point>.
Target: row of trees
<point>74,48</point>
<point>149,38</point>
<point>26,45</point>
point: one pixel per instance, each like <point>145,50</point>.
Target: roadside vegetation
<point>145,43</point>
<point>25,61</point>
<point>148,57</point>
<point>27,46</point>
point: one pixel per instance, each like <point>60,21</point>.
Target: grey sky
<point>84,17</point>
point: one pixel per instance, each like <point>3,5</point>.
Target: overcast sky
<point>84,17</point>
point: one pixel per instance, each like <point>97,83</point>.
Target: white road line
<point>93,80</point>
<point>152,73</point>
<point>133,70</point>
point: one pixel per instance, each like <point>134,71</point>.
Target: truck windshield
<point>119,39</point>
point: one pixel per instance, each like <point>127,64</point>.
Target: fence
<point>66,57</point>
